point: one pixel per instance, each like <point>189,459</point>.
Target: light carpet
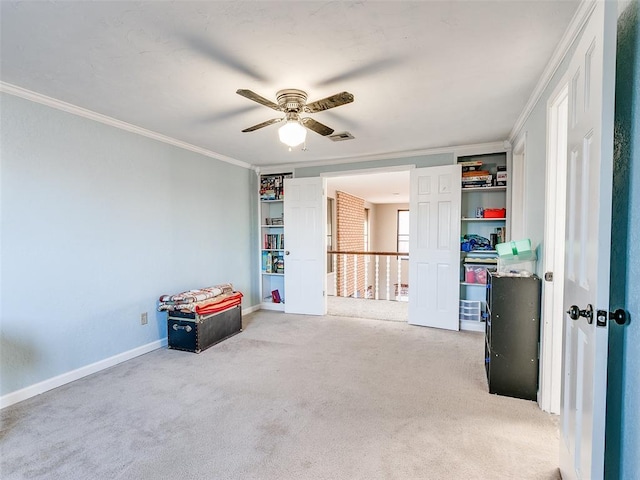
<point>291,397</point>
<point>390,310</point>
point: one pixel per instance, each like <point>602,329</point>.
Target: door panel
<point>304,221</point>
<point>588,244</point>
<point>434,247</point>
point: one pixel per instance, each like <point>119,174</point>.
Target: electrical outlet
<point>143,318</point>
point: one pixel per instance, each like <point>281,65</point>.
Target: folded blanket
<point>192,296</point>
<point>231,301</point>
<point>211,305</point>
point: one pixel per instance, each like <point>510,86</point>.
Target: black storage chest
<point>195,333</point>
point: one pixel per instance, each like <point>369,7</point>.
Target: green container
<point>516,250</point>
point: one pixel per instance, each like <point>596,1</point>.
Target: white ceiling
<point>385,187</point>
<point>424,74</point>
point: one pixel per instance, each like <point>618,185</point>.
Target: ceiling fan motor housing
<point>291,100</point>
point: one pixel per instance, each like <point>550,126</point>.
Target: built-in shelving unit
<point>480,193</point>
<point>272,241</point>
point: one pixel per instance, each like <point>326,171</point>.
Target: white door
<point>434,247</point>
<point>305,216</point>
<point>588,244</point>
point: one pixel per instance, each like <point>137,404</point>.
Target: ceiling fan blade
<point>257,98</point>
<point>263,124</point>
<point>316,126</point>
<point>329,102</point>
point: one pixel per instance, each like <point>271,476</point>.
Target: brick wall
<point>350,236</point>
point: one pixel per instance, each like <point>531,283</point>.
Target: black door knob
<point>620,316</point>
<point>575,313</point>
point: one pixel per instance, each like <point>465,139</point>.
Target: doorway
<point>354,282</point>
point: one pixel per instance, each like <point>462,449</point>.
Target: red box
<point>495,213</point>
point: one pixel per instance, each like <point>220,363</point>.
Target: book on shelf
<point>272,186</point>
<point>273,241</point>
<point>470,165</point>
<point>272,262</point>
<point>278,264</point>
<point>477,184</point>
<point>267,262</point>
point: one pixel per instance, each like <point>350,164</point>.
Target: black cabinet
<point>512,335</point>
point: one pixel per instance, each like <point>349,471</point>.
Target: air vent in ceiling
<point>341,137</point>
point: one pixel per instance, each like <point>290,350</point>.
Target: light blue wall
<point>623,399</point>
<point>418,161</point>
<point>535,129</point>
<point>96,224</point>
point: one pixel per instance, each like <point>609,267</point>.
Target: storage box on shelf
<point>483,225</point>
<point>516,257</point>
<point>471,310</point>
<point>272,252</point>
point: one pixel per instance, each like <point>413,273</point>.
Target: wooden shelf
<point>484,189</point>
<point>475,219</point>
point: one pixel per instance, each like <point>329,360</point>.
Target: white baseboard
<point>272,306</point>
<point>248,310</point>
<point>471,326</point>
<point>55,382</point>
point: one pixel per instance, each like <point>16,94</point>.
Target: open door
<point>305,215</point>
<point>434,247</point>
<point>588,244</point>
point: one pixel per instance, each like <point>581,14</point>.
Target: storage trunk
<point>195,333</point>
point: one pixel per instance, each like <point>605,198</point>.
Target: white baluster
<point>366,276</point>
<point>388,275</point>
<point>355,276</point>
<point>335,276</point>
<point>399,277</point>
<point>344,275</point>
<point>377,279</point>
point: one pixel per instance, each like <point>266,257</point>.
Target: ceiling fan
<point>293,102</point>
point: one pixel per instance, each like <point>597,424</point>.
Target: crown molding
<point>571,33</point>
<point>456,150</point>
<point>98,117</point>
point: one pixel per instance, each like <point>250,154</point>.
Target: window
<point>403,231</point>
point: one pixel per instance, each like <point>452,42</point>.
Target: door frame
<point>519,188</point>
<point>551,345</point>
<point>364,171</point>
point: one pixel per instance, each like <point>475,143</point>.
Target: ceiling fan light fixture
<point>292,133</point>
